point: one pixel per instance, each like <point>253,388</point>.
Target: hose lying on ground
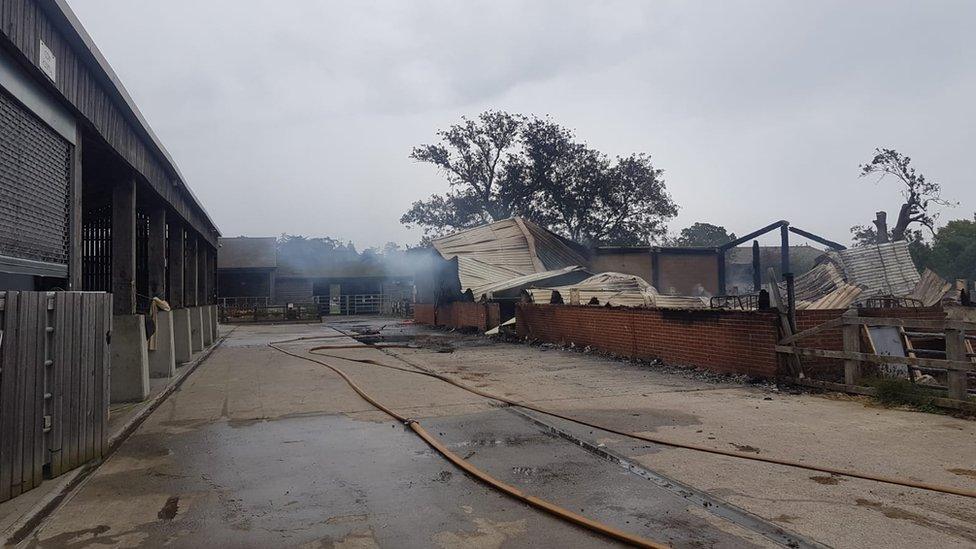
<point>659,440</point>
<point>512,491</point>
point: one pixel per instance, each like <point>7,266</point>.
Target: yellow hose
<point>666,442</point>
<point>512,491</point>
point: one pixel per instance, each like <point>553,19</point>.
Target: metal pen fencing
<point>260,309</point>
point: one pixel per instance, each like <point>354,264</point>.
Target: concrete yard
<point>262,449</point>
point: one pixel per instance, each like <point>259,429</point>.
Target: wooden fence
<point>54,384</point>
<point>957,362</point>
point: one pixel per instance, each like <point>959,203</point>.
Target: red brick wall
<point>721,341</point>
<point>459,314</point>
<point>423,313</point>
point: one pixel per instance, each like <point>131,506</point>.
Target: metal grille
<point>143,299</point>
<point>96,253</point>
<point>35,170</point>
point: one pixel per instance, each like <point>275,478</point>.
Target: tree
<point>578,192</point>
<point>548,176</point>
<point>919,193</point>
<point>704,235</point>
<point>301,252</point>
<point>953,251</point>
<point>473,155</point>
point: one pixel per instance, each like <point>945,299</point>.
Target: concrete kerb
<point>19,530</point>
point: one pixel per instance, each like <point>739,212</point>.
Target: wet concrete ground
<point>260,449</point>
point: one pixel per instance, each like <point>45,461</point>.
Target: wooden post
<point>791,298</point>
<point>124,246</point>
<point>157,250</point>
<point>756,267</point>
<point>74,217</point>
<point>852,344</point>
<point>176,251</point>
<point>955,343</point>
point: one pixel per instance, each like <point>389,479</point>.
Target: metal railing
<point>244,302</point>
<point>250,309</point>
<point>744,302</point>
<point>271,313</point>
<point>889,302</point>
<point>364,304</point>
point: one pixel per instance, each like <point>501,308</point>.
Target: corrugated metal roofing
<point>617,289</point>
<point>545,278</point>
<point>858,273</point>
<point>840,298</point>
<point>819,281</point>
<point>931,289</point>
<point>554,251</point>
<point>498,252</point>
<point>501,244</point>
<point>475,274</point>
<point>883,269</point>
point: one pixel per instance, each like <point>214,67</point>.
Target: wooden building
<point>95,221</point>
<point>91,199</point>
<point>253,272</point>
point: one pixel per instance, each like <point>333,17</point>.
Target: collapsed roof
<point>878,270</point>
<point>616,289</point>
<point>491,255</point>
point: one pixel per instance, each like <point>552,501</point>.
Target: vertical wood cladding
<point>24,23</point>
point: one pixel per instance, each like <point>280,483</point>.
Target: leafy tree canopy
<point>952,253</point>
<point>502,164</point>
<point>703,235</point>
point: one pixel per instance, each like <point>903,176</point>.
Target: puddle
<point>168,512</point>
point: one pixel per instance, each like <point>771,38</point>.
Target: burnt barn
<point>102,244</point>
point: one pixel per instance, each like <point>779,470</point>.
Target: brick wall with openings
<point>721,341</point>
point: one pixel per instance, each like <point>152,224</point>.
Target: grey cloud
<point>298,116</point>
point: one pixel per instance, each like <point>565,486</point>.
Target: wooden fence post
<point>852,344</point>
<point>955,344</point>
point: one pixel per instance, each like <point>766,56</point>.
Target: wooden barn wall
<point>23,24</point>
<point>54,391</point>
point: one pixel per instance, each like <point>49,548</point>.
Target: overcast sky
<point>298,116</point>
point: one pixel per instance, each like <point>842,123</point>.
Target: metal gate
<point>35,171</point>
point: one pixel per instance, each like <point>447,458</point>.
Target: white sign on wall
<point>48,63</point>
